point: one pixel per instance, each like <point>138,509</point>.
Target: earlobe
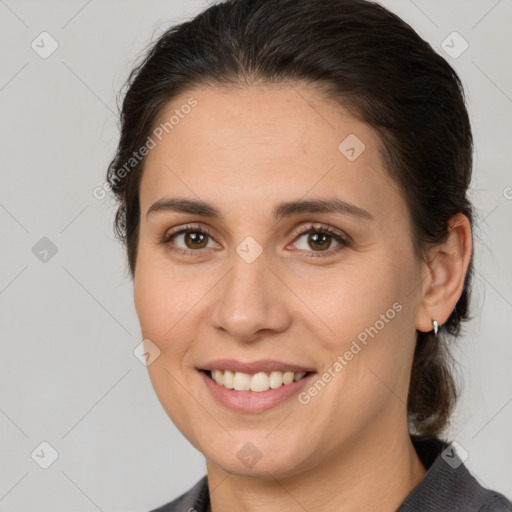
<point>447,267</point>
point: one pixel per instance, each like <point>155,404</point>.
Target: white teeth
<point>228,379</point>
<point>257,382</point>
<point>217,376</point>
<point>287,377</point>
<point>241,381</point>
<point>260,382</point>
<point>276,380</point>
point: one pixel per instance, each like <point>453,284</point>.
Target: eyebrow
<point>282,210</point>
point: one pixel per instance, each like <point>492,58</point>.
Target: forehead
<point>255,145</point>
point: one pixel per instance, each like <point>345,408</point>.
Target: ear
<point>443,274</point>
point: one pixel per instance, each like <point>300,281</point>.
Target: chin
<point>259,459</point>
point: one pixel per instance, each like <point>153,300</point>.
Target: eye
<point>187,239</point>
<point>320,238</point>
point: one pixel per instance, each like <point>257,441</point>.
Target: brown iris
<point>197,240</point>
<point>319,240</point>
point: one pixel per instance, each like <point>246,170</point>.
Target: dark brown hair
<point>371,62</point>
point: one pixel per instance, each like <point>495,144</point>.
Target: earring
<point>436,326</point>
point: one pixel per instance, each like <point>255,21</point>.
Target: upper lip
<point>263,365</point>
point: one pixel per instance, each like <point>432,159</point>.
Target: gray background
<point>68,373</point>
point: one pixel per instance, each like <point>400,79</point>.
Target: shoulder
<point>195,499</point>
<point>496,502</point>
<point>448,485</point>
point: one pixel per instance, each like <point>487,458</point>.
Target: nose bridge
<point>247,301</point>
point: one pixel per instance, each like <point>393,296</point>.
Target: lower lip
<point>253,401</point>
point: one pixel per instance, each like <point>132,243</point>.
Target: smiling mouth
<point>257,382</point>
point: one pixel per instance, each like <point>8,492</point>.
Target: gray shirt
<point>447,486</point>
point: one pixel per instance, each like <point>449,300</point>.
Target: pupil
<point>314,237</point>
<point>194,238</point>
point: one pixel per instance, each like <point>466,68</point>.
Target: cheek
<point>371,331</point>
<point>355,297</point>
<point>160,293</point>
<point>170,304</point>
<point>161,300</point>
<point>165,308</point>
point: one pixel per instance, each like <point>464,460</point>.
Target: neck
<point>374,472</point>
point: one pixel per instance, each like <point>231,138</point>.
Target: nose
<point>250,302</point>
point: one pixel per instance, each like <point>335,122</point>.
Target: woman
<point>292,178</point>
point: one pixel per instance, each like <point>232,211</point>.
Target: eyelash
<point>312,228</point>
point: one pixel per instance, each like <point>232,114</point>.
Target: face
<point>268,279</point>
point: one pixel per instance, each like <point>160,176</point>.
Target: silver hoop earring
<point>436,326</point>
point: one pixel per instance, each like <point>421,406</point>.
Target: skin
<point>245,151</point>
